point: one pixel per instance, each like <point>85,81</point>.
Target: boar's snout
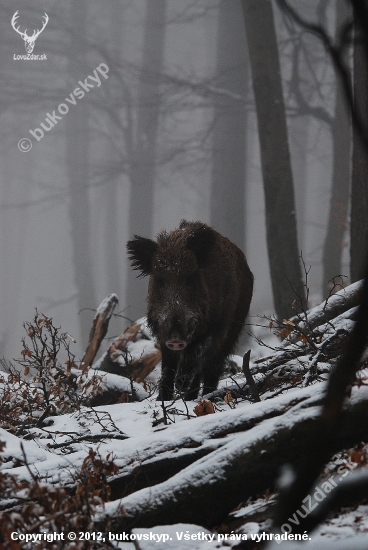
<point>176,345</point>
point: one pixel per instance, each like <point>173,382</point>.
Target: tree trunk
<point>281,227</point>
<point>298,131</point>
<point>359,192</point>
<point>99,329</point>
<point>143,155</point>
<point>77,145</point>
<point>113,275</point>
<point>229,132</point>
<point>341,136</point>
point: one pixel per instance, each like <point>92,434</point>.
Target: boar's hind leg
<point>169,366</point>
<point>212,373</point>
<point>215,363</point>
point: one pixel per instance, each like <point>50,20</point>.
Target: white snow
<point>145,443</point>
<point>339,298</point>
<point>13,450</point>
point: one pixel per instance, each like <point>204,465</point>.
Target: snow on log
<point>13,451</point>
<point>133,354</point>
<point>114,388</point>
<point>165,453</point>
<point>332,307</point>
<point>247,464</point>
<point>162,448</point>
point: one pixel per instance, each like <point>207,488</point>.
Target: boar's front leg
<point>191,386</point>
<point>168,370</point>
<point>189,372</point>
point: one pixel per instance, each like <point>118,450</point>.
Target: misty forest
<point>152,150</point>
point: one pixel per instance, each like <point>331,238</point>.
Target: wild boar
<point>199,294</point>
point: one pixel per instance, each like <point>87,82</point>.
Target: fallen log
<point>162,458</point>
<point>295,349</point>
<point>99,328</point>
<point>335,305</point>
<point>208,489</point>
<point>133,354</point>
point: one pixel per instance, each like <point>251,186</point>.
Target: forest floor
<point>95,452</point>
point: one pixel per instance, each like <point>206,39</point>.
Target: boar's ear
<point>141,252</point>
<point>201,241</point>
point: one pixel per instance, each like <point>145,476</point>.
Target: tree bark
<point>111,207</point>
<point>341,137</point>
<point>359,191</point>
<point>99,329</point>
<point>143,151</point>
<point>77,156</point>
<point>282,242</point>
<point>229,131</point>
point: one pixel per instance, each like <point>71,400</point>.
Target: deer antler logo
<point>29,41</point>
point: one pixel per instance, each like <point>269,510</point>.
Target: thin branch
<point>88,437</point>
<point>248,375</point>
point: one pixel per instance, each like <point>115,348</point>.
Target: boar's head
<point>178,292</point>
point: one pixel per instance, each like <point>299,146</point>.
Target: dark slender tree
<point>77,156</point>
<point>359,193</point>
<point>341,139</point>
<point>143,152</point>
<point>229,131</point>
<point>282,242</point>
<point>111,190</point>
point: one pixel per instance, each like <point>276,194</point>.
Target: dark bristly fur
<point>199,294</point>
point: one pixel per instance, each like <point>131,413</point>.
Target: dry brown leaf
<point>124,398</point>
<point>287,322</point>
<point>228,397</point>
<point>204,407</point>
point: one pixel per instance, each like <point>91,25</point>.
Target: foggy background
<point>171,133</point>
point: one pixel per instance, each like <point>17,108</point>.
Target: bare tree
<point>77,157</point>
<point>229,130</point>
<point>341,136</point>
<point>359,192</point>
<point>143,151</point>
<point>282,242</point>
<point>111,190</point>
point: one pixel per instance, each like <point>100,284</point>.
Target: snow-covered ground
<point>135,434</point>
<point>145,442</point>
